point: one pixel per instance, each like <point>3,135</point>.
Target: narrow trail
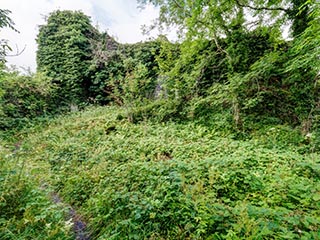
<point>79,225</point>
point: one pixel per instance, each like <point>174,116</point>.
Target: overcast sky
<point>120,18</point>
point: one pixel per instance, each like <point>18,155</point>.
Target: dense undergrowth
<point>216,136</point>
<point>26,211</point>
<point>151,180</point>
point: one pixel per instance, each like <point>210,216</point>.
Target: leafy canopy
<point>213,18</point>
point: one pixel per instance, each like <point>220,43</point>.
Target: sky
<point>120,18</point>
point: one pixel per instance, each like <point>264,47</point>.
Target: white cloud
<point>120,18</point>
<point>123,20</point>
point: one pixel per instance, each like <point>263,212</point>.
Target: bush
<point>159,111</point>
<point>22,98</point>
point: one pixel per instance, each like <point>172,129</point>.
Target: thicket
<point>237,170</point>
<point>170,180</point>
<point>250,72</point>
<point>24,98</point>
<point>225,64</point>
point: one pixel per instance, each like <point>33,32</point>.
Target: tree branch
<point>18,52</point>
<point>262,8</point>
<point>177,4</point>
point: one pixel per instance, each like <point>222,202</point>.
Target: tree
<point>5,21</point>
<point>65,53</point>
<point>260,74</point>
<point>214,18</point>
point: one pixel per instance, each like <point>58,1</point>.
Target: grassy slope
<point>169,180</point>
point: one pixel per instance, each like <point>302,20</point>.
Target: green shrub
<point>22,98</point>
<point>159,111</point>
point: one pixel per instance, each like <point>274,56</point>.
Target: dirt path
<point>79,225</point>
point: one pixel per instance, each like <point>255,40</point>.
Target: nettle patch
<point>178,181</point>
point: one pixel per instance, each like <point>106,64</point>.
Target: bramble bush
<point>24,97</point>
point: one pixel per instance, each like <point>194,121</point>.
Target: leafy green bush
<point>23,98</point>
<point>158,111</point>
<point>125,73</point>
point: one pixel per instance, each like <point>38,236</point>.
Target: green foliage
<point>213,19</point>
<point>23,98</point>
<point>265,77</point>
<point>283,82</point>
<point>64,53</point>
<point>202,64</point>
<point>5,21</point>
<point>185,180</point>
<point>191,70</point>
<point>26,211</point>
<point>158,111</point>
<point>203,146</point>
<point>126,73</point>
<point>106,67</point>
<point>140,67</point>
<point>89,66</point>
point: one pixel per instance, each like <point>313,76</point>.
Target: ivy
<point>65,53</point>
